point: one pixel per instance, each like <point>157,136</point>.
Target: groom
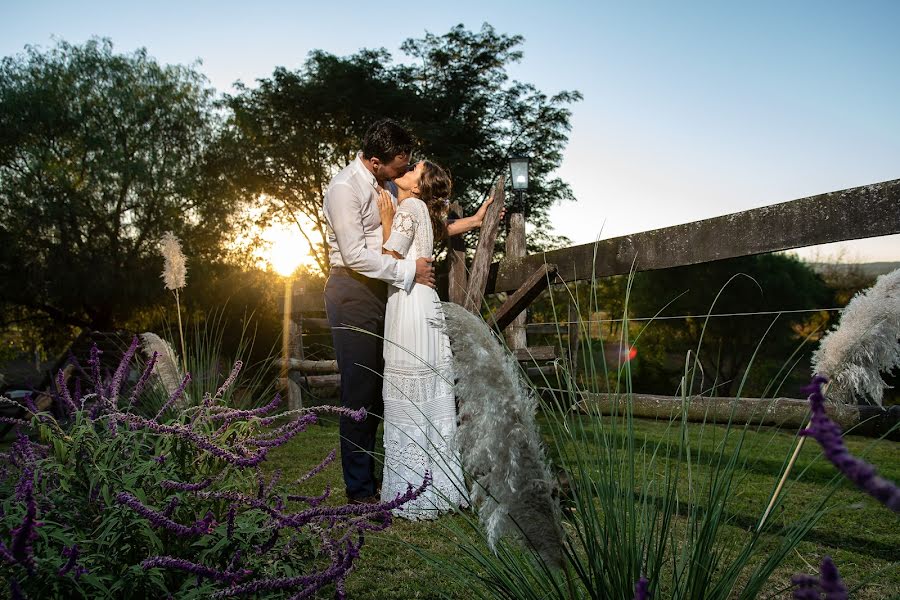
<point>356,291</point>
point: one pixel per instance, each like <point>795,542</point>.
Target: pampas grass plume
<point>499,440</point>
<point>864,344</point>
<point>174,273</point>
<point>166,363</point>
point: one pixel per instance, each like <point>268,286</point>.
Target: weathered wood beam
<point>536,353</point>
<point>313,366</point>
<point>484,252</point>
<point>515,248</point>
<point>871,421</point>
<point>322,381</point>
<point>456,290</point>
<point>784,412</point>
<point>525,295</point>
<point>855,213</point>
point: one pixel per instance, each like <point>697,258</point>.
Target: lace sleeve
<point>403,230</point>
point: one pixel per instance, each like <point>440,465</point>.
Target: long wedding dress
<point>419,408</point>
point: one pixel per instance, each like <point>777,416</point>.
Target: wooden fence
<point>855,213</point>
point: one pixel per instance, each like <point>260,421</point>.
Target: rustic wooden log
<point>515,248</point>
<point>484,252</point>
<point>861,212</point>
<point>313,366</point>
<point>536,353</point>
<point>457,255</point>
<point>525,295</point>
<point>317,381</point>
<point>783,412</point>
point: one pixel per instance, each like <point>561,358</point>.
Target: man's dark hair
<point>386,139</point>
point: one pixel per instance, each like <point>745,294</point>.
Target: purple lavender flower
<point>318,468</point>
<point>5,554</point>
<point>64,393</point>
<point>158,519</point>
<point>327,512</point>
<point>283,434</point>
<point>201,571</point>
<point>115,384</point>
<point>238,498</point>
<point>828,434</point>
<point>30,405</point>
<point>72,563</point>
<point>270,543</point>
<point>14,422</point>
<point>160,459</point>
<point>142,381</point>
<point>808,587</point>
<point>195,438</point>
<point>235,561</point>
<point>310,583</point>
<point>174,397</point>
<point>312,500</point>
<point>24,536</point>
<point>186,487</point>
<point>233,414</point>
<point>230,381</point>
<point>232,512</point>
<point>94,365</point>
<point>642,589</point>
<point>356,415</point>
<point>169,510</point>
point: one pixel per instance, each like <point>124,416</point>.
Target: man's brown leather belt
<point>351,273</point>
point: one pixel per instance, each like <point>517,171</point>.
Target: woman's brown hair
<point>435,186</point>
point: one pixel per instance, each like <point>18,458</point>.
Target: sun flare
<point>286,249</point>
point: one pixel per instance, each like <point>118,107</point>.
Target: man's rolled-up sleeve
<point>343,209</point>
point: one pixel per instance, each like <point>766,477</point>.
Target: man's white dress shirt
<point>355,235</point>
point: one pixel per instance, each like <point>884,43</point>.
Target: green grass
<point>860,535</point>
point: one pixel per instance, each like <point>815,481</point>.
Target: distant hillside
<point>873,269</point>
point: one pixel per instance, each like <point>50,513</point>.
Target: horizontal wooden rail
<point>313,366</point>
<point>860,212</point>
<point>870,421</point>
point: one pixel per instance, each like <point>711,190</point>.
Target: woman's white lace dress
<point>419,408</point>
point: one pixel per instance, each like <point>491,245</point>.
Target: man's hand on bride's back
<point>425,271</point>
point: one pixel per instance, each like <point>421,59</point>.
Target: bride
<point>419,408</point>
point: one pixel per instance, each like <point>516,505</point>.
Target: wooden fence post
<point>515,248</point>
<point>485,250</point>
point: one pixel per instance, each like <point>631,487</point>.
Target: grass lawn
<point>861,536</point>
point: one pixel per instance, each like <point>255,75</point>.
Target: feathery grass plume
<point>500,444</point>
<point>174,273</point>
<point>174,276</point>
<point>865,343</point>
<point>166,360</point>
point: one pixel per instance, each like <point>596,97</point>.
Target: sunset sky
<point>691,110</point>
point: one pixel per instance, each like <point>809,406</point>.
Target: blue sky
<point>691,109</point>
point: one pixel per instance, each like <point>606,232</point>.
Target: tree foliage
<point>100,154</point>
<point>296,129</point>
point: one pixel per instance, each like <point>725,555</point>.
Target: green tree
<point>753,284</point>
<point>296,129</point>
<point>100,154</point>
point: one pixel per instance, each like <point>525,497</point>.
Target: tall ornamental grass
<point>641,518</point>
